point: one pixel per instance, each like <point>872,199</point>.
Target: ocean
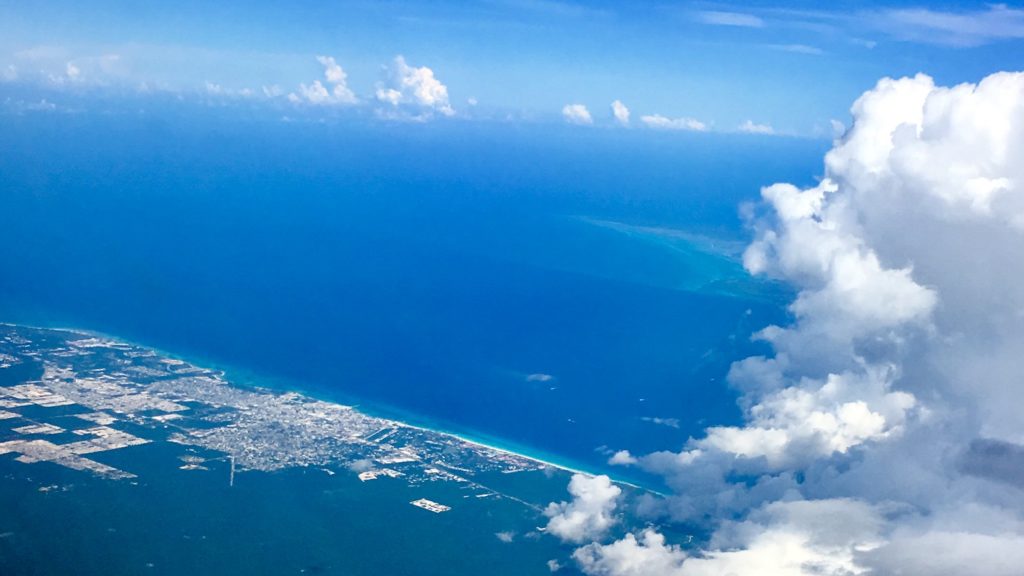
<point>565,291</point>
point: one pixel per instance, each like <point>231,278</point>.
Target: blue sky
<point>792,66</point>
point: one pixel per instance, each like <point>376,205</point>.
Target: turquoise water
<point>426,271</point>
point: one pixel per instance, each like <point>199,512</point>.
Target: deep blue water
<point>429,268</point>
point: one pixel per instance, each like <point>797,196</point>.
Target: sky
<point>786,68</point>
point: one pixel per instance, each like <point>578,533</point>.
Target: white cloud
<point>622,458</point>
<point>815,419</point>
<point>660,122</point>
<point>332,71</point>
<point>948,552</point>
<point>670,422</point>
<point>752,128</point>
<point>621,112</point>
<point>272,91</point>
<point>838,128</point>
<point>415,88</point>
<point>798,49</point>
<point>720,18</point>
<point>577,114</point>
<point>590,513</point>
<point>783,539</point>
<point>889,406</point>
<point>215,89</point>
<point>22,106</point>
<point>960,28</point>
<point>361,465</point>
<point>60,68</point>
<point>335,93</point>
<point>506,537</point>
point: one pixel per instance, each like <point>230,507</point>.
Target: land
<point>66,397</point>
<point>430,505</point>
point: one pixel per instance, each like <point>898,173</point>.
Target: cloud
<point>59,68</point>
<point>952,552</point>
<point>215,89</point>
<point>334,93</point>
<point>414,89</point>
<point>21,106</point>
<point>539,377</point>
<point>888,407</point>
<point>739,19</point>
<point>782,539</point>
<point>622,458</point>
<point>816,418</point>
<point>577,114</point>
<point>506,537</point>
<point>621,112</point>
<point>660,122</point>
<point>838,128</point>
<point>797,49</point>
<point>362,465</point>
<point>751,128</point>
<point>590,513</point>
<point>670,422</point>
<point>963,28</point>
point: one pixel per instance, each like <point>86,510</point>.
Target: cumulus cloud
<point>882,433</point>
<point>750,127</point>
<point>577,114</point>
<point>79,71</point>
<point>590,513</point>
<point>335,92</point>
<point>660,122</point>
<point>621,112</point>
<point>415,89</point>
<point>622,458</point>
<point>781,539</point>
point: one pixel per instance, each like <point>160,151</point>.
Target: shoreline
<point>249,379</point>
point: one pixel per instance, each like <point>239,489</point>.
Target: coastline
<point>244,378</point>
